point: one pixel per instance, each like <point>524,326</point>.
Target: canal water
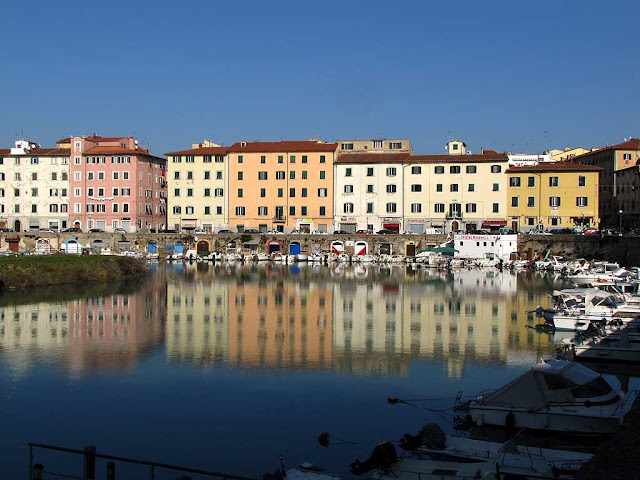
<point>226,368</point>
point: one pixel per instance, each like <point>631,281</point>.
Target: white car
<point>318,232</point>
<point>199,231</point>
<point>119,230</point>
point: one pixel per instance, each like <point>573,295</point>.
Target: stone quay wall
<point>624,250</point>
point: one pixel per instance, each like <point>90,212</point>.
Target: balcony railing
<point>280,219</point>
<point>452,215</point>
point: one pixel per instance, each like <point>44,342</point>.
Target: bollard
<point>89,463</point>
<point>37,471</point>
<point>111,471</point>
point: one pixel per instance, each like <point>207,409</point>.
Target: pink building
<point>115,184</point>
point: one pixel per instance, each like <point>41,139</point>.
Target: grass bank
<point>37,271</point>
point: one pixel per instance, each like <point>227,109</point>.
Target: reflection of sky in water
<point>226,369</point>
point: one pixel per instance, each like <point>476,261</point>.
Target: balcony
<point>280,219</point>
<point>454,215</point>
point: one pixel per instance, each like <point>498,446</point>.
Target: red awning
<point>494,223</point>
<point>390,225</point>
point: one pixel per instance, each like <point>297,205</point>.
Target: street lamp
<point>620,230</point>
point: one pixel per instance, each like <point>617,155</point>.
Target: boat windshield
<point>579,374</point>
<point>597,387</point>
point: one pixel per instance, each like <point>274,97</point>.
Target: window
<point>16,192</point>
<point>582,180</point>
<point>280,158</point>
<point>438,187</point>
<point>218,192</point>
<point>391,171</point>
<point>34,209</point>
<point>496,208</point>
<point>531,201</point>
<point>280,175</point>
<point>531,182</point>
<point>391,208</point>
<point>323,159</point>
<point>114,208</point>
<point>240,193</point>
<point>240,159</point>
<point>470,208</point>
<point>207,175</point>
<point>370,207</point>
<point>263,211</point>
<point>292,192</point>
<point>370,189</point>
<point>239,211</point>
<point>263,192</point>
<point>416,187</point>
<point>76,176</point>
<point>553,182</point>
<point>218,210</point>
<point>100,175</point>
<point>90,192</point>
<point>176,192</point>
<point>453,187</point>
<point>471,169</point>
<point>89,175</point>
<point>34,192</point>
<point>514,201</point>
<point>395,145</point>
<point>347,208</point>
<point>439,207</point>
<point>581,201</point>
<point>514,181</point>
<point>626,156</point>
<point>391,188</point>
<point>303,211</point>
<point>416,208</point>
<point>304,193</point>
<point>207,192</point>
<point>114,192</point>
<point>292,210</point>
<point>280,192</point>
<point>292,175</point>
<point>263,159</point>
<point>189,192</point>
<point>322,175</point>
<point>292,159</point>
<point>189,176</point>
<point>77,160</point>
<point>471,187</point>
<point>454,169</point>
<point>125,208</point>
<point>240,176</point>
<point>438,170</point>
<point>346,146</point>
<point>348,172</point>
<point>496,168</point>
<point>496,187</point>
<point>369,171</point>
<point>207,210</point>
<point>416,170</point>
<point>323,211</point>
<point>206,159</point>
<point>304,174</point>
<point>305,160</point>
<point>554,201</point>
<point>262,175</point>
<point>125,175</point>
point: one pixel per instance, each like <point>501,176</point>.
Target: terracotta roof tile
<point>65,140</point>
<point>109,150</point>
<point>555,167</point>
<point>202,151</point>
<point>5,151</point>
<point>632,144</point>
<point>50,152</point>
<point>474,157</point>
<point>284,146</point>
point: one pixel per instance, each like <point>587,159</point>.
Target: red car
<point>591,231</point>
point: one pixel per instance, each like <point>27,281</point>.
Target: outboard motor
<point>430,435</point>
<point>383,456</point>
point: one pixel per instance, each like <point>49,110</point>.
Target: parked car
<point>318,232</point>
<point>384,231</point>
<point>251,230</point>
<point>224,231</point>
<point>340,232</point>
<point>591,231</point>
<point>562,231</point>
<point>72,230</point>
<point>4,229</point>
<point>295,232</point>
<point>46,230</point>
<point>96,230</point>
<point>200,231</point>
<point>121,230</point>
<point>538,232</point>
<point>364,232</point>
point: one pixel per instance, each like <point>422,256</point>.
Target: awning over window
<point>494,223</point>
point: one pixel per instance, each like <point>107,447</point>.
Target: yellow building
<point>553,196</point>
<point>281,185</point>
<point>198,185</point>
<point>567,153</point>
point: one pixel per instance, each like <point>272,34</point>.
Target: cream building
<point>198,190</point>
<point>567,153</point>
<point>380,145</point>
<point>34,187</point>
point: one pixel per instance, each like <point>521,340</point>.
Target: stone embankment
<point>44,270</point>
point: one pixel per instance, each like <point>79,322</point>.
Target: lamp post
<point>620,230</point>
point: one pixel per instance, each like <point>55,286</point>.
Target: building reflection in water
<point>107,328</point>
<point>354,320</point>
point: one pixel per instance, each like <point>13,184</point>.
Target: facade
<point>524,159</point>
<point>380,145</point>
<point>199,188</point>
<point>34,188</point>
<point>552,196</point>
<point>501,247</point>
<point>627,198</point>
<point>567,153</point>
<point>612,159</point>
<point>115,184</point>
<point>281,185</point>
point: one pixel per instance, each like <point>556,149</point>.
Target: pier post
<point>37,471</point>
<point>111,471</point>
<point>89,472</point>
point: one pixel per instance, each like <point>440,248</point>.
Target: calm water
<point>227,368</point>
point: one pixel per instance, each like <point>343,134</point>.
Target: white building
<point>527,160</point>
<point>485,246</point>
<point>34,187</point>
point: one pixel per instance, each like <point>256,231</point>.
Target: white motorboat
<point>301,257</point>
<point>602,272</point>
<point>553,396</point>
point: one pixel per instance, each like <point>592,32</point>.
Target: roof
<point>5,151</point>
<point>202,151</point>
<point>284,146</point>
<point>37,152</point>
<point>64,140</point>
<point>631,144</point>
<point>109,150</point>
<point>98,138</point>
<point>487,156</point>
<point>372,157</point>
<point>555,167</point>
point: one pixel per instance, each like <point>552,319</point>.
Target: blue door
<point>294,248</point>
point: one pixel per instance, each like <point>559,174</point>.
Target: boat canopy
<point>554,381</point>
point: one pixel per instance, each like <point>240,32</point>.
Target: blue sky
<point>494,74</point>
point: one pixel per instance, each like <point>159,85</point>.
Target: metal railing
<point>90,454</point>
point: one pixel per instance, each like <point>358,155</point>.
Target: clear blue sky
<point>494,74</point>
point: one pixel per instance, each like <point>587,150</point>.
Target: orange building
<point>281,185</point>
